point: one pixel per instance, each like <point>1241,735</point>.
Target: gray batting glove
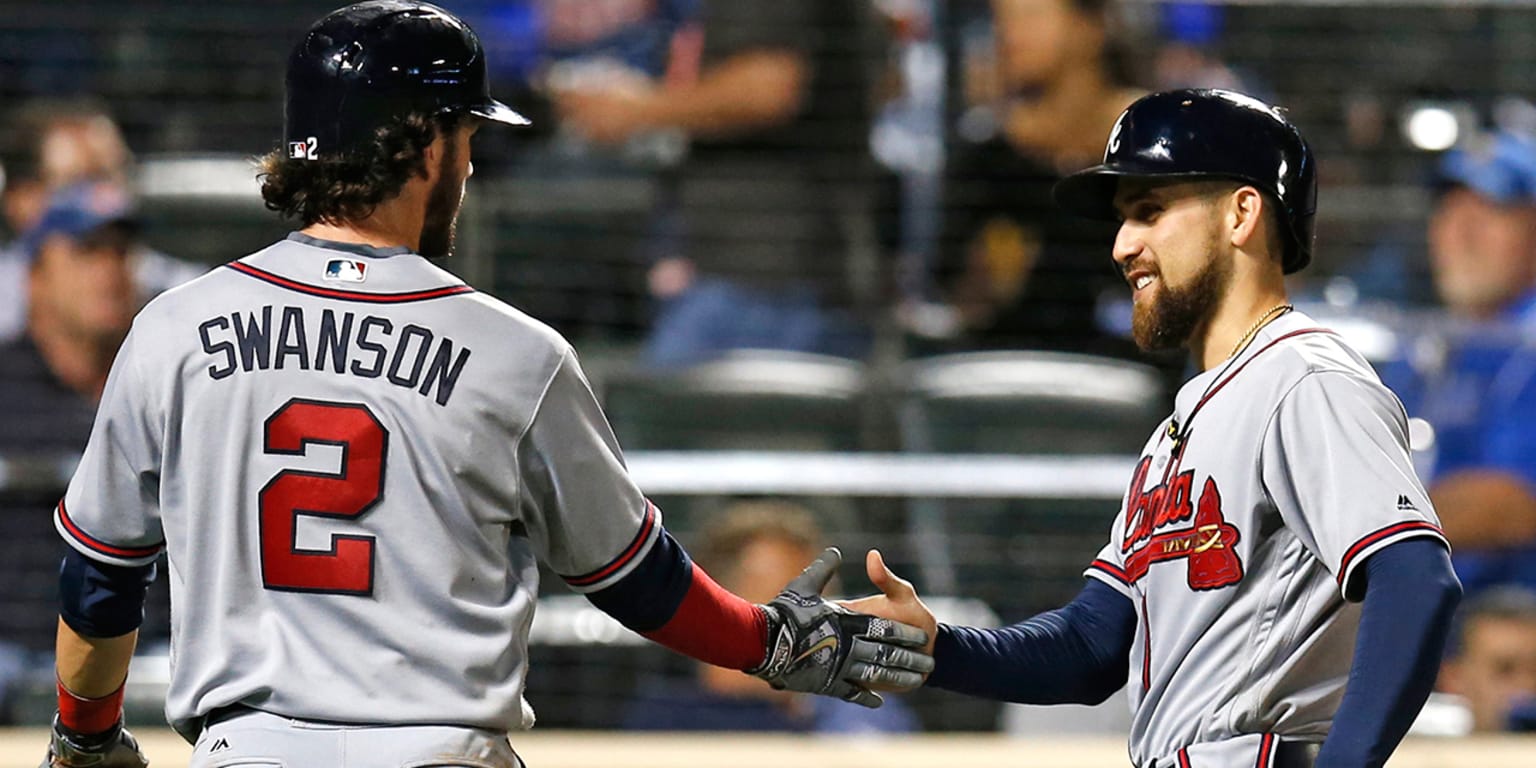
<point>815,646</point>
<point>112,748</point>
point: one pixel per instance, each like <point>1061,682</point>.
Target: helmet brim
<point>498,112</point>
<point>1089,193</point>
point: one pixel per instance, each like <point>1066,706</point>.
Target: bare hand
<point>897,600</point>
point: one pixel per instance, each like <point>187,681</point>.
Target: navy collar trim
<point>353,248</point>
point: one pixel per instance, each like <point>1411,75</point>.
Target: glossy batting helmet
<point>1196,134</point>
<point>366,64</point>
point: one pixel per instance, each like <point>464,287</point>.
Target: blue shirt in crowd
<point>1479,394</point>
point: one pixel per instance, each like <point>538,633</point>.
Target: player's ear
<point>431,156</point>
<point>1245,216</point>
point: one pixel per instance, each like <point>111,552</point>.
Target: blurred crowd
<point>867,180</point>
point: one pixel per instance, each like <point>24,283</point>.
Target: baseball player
<point>1275,590</point>
<point>353,461</point>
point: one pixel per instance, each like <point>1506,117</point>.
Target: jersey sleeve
<point>588,520</point>
<point>1334,459</point>
<point>1109,565</point>
<point>111,510</point>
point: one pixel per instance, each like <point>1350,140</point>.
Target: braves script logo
<point>1208,543</point>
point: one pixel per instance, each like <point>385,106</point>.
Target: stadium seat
<point>746,400</point>
<point>1029,402</point>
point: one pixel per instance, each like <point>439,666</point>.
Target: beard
<point>440,226</point>
<point>1169,319</point>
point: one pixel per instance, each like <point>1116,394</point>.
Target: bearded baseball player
<point>1276,590</point>
<point>353,461</point>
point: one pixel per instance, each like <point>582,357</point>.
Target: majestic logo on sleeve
<point>1208,542</point>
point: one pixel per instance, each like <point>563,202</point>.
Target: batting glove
<point>815,646</point>
<point>112,748</point>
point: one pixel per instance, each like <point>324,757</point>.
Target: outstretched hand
<point>897,600</point>
<point>817,646</point>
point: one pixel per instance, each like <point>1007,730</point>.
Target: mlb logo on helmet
<point>303,150</point>
<point>346,271</point>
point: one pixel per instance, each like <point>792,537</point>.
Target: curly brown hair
<point>350,187</point>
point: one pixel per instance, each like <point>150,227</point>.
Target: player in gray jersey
<point>1276,590</point>
<point>354,461</point>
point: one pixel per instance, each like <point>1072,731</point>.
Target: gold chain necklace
<point>1275,311</point>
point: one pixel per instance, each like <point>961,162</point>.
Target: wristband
<point>83,715</point>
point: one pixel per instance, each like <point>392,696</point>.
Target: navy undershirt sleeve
<point>101,600</point>
<point>1411,593</point>
<point>648,596</point>
<point>1077,654</point>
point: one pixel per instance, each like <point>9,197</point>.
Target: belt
<point>1295,754</point>
<point>221,714</point>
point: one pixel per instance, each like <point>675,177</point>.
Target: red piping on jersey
<point>337,293</point>
<point>624,558</point>
<point>1266,750</point>
<point>1146,649</point>
<point>102,547</point>
<point>1113,570</point>
<point>1391,530</point>
<point>1239,369</point>
<point>1183,758</point>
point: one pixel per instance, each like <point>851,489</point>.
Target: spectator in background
<point>753,548</point>
<point>542,47</point>
<point>1015,270</point>
<point>50,145</point>
<point>80,300</point>
<point>1474,381</point>
<point>776,112</point>
<point>1493,663</point>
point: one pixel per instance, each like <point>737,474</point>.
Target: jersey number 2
<point>347,567</point>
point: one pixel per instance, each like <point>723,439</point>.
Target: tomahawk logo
<point>1209,543</point>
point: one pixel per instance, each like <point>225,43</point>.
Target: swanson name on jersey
<point>369,346</point>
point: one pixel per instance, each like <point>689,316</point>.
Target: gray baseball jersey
<point>352,460</point>
<point>1279,472</point>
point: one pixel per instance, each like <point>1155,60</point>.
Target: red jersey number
<point>347,567</point>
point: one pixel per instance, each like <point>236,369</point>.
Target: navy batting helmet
<point>368,63</point>
<point>1206,134</point>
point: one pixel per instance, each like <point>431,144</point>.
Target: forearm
<point>750,90</point>
<point>1076,654</point>
<point>1410,596</point>
<point>93,667</point>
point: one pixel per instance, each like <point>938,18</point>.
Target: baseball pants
<point>249,738</point>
